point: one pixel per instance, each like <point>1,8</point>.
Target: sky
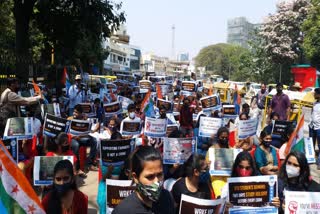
<point>197,23</point>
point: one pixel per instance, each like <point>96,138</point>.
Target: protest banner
<point>88,109</point>
<point>302,202</point>
<point>247,128</point>
<point>43,168</point>
<point>155,127</point>
<point>54,125</point>
<point>190,86</point>
<point>280,127</point>
<point>51,108</point>
<point>115,152</point>
<point>187,93</point>
<point>166,88</point>
<point>167,104</point>
<point>254,191</point>
<point>156,142</point>
<point>209,126</point>
<point>210,103</point>
<point>171,128</point>
<point>125,102</point>
<point>229,111</point>
<point>145,84</point>
<point>309,150</point>
<point>222,160</point>
<point>117,190</point>
<point>177,150</point>
<point>80,127</point>
<point>255,210</point>
<point>19,127</point>
<point>111,109</point>
<point>12,147</point>
<point>130,127</point>
<point>192,205</point>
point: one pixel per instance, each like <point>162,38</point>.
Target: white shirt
<point>75,97</point>
<point>315,116</point>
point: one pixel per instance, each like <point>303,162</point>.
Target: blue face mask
<point>204,177</point>
<point>62,188</point>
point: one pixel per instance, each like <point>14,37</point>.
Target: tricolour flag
<point>16,193</point>
<point>159,92</point>
<point>296,140</point>
<point>145,101</point>
<point>36,88</point>
<point>65,79</point>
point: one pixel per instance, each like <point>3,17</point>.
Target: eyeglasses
<point>65,178</point>
<point>293,164</point>
<point>244,167</point>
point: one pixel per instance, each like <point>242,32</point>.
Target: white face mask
<point>292,171</point>
<point>132,115</point>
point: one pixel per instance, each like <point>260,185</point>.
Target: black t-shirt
<point>133,205</point>
<point>180,188</point>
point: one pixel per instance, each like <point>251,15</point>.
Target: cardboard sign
<point>171,128</point>
<point>256,191</point>
<point>302,202</point>
<point>111,109</point>
<point>43,168</point>
<point>54,125</point>
<point>222,160</point>
<point>192,205</point>
<point>117,190</point>
<point>309,150</point>
<point>115,152</point>
<point>247,128</point>
<point>51,108</point>
<point>166,88</point>
<point>145,84</point>
<point>209,102</point>
<point>229,111</point>
<point>125,102</point>
<point>209,126</point>
<point>130,128</point>
<point>80,127</point>
<point>255,210</point>
<point>12,147</point>
<point>167,104</point>
<point>19,127</point>
<point>190,86</point>
<point>88,109</point>
<point>280,127</point>
<point>155,127</point>
<point>177,150</point>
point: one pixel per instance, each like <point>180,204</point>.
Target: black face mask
<point>62,189</point>
<point>223,141</point>
<point>163,116</point>
<point>279,91</point>
<point>266,143</point>
<point>263,90</point>
<point>65,148</point>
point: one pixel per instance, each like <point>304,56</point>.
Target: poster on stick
<point>209,126</point>
<point>117,190</point>
<point>210,102</point>
<point>115,152</point>
<point>247,128</point>
<point>229,111</point>
<point>19,127</point>
<point>255,191</point>
<point>167,104</point>
<point>222,160</point>
<point>192,205</point>
<point>80,127</point>
<point>54,125</point>
<point>130,127</point>
<point>302,202</point>
<point>155,127</point>
<point>111,109</point>
<point>177,150</point>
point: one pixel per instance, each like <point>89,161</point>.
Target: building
<point>240,31</point>
<point>183,57</point>
<point>152,62</point>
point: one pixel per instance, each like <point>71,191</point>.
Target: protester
<point>276,139</point>
<point>314,126</point>
<point>65,197</point>
<point>203,143</point>
<point>186,116</point>
<point>247,143</point>
<point>280,103</point>
<point>76,94</point>
<point>147,173</point>
<point>261,96</point>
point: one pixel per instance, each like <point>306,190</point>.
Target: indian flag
<point>296,141</point>
<point>16,194</point>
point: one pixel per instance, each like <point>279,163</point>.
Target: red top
<point>67,153</point>
<point>79,203</point>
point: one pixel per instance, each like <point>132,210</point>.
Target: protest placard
<point>54,125</point>
<point>190,86</point>
<point>117,190</point>
<point>210,102</point>
<point>145,84</point>
<point>302,202</point>
<point>19,127</point>
<point>88,109</point>
<point>280,127</point>
<point>177,150</point>
<point>125,102</point>
<point>111,109</point>
<point>171,128</point>
<point>255,191</point>
<point>12,147</point>
<point>115,152</point>
<point>247,128</point>
<point>209,126</point>
<point>192,205</point>
<point>43,168</point>
<point>229,111</point>
<point>51,108</point>
<point>156,142</point>
<point>255,210</point>
<point>222,160</point>
<point>166,88</point>
<point>309,150</point>
<point>80,127</point>
<point>167,104</point>
<point>130,127</point>
<point>187,93</point>
<point>155,127</point>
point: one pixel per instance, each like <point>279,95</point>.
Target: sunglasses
<point>65,178</point>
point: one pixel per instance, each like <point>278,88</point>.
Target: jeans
<point>315,134</point>
<point>86,141</point>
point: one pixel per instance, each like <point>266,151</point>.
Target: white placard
<point>309,150</point>
<point>302,202</point>
<point>192,205</point>
<point>155,127</point>
<point>247,128</point>
<point>209,126</point>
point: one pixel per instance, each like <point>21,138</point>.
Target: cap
<point>297,85</point>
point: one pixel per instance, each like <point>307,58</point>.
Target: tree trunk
<point>22,12</point>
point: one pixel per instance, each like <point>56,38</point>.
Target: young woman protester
<point>65,198</point>
<point>147,173</point>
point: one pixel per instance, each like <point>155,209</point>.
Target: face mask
<point>204,177</point>
<point>263,90</point>
<point>223,141</point>
<point>163,115</point>
<point>244,172</point>
<point>292,171</point>
<point>112,128</point>
<point>132,115</point>
<point>65,148</point>
<point>266,143</point>
<point>152,192</point>
<point>279,91</point>
<point>62,189</point>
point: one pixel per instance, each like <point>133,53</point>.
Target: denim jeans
<point>86,141</point>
